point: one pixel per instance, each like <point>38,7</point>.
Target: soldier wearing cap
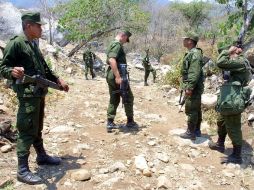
<point>237,68</point>
<point>115,57</point>
<point>192,83</point>
<point>148,68</point>
<point>22,56</point>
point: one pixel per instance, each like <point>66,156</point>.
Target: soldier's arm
<point>8,66</point>
<point>225,63</point>
<point>194,72</point>
<point>112,55</point>
<point>113,65</point>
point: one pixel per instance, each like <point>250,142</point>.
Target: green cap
<point>127,33</point>
<point>34,17</point>
<point>191,35</point>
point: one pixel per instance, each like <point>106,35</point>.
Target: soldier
<point>148,68</point>
<point>89,59</point>
<point>192,76</point>
<point>115,57</point>
<point>237,67</point>
<point>22,56</point>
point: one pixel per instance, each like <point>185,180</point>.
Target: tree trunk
<point>95,35</point>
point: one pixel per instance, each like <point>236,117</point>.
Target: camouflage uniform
<point>231,124</point>
<point>193,79</point>
<point>148,68</point>
<point>20,52</point>
<point>89,58</point>
<point>115,50</point>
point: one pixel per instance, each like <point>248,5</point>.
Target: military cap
<point>34,17</point>
<point>127,33</point>
<point>191,35</point>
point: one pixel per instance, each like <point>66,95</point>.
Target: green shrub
<point>210,116</point>
<point>173,77</point>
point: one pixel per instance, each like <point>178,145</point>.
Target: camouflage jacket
<point>191,71</point>
<point>239,67</point>
<point>20,52</point>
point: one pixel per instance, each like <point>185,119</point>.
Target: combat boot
<point>235,157</point>
<point>131,123</point>
<point>197,130</point>
<point>219,145</point>
<point>111,125</point>
<point>43,158</point>
<point>146,84</point>
<point>93,76</point>
<point>24,174</point>
<point>190,133</point>
<point>86,77</point>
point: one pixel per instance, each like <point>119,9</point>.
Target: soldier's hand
<point>118,80</point>
<point>63,85</point>
<point>188,92</point>
<point>232,50</point>
<point>17,72</point>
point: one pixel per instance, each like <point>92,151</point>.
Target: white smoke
<point>10,21</point>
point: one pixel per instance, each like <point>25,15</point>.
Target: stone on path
<point>81,175</point>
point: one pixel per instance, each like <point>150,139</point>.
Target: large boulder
<point>209,100</point>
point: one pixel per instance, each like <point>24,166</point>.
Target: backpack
<point>232,98</point>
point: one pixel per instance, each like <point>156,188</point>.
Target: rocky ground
<point>150,157</point>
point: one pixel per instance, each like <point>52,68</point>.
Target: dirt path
<point>75,130</point>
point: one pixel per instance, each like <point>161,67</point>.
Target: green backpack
<point>232,98</point>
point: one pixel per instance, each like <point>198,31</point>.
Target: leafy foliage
<point>230,29</point>
<point>82,18</point>
<point>173,77</point>
<point>196,12</point>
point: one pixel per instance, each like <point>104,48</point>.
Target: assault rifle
<point>124,86</point>
<point>39,81</point>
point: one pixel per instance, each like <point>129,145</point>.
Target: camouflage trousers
<point>29,124</point>
<point>193,110</point>
<point>115,97</point>
<point>89,69</point>
<point>148,70</point>
<point>230,125</point>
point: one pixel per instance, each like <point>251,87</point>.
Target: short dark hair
<point>25,23</point>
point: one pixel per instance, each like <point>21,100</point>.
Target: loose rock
<point>81,175</point>
<point>6,148</point>
<point>164,183</point>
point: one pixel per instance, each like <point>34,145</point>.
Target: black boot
<point>190,133</point>
<point>24,174</point>
<point>131,123</point>
<point>111,125</point>
<point>146,84</point>
<point>235,157</point>
<point>43,158</point>
<point>198,130</point>
<point>219,145</point>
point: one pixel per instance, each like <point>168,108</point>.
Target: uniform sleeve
<point>194,71</point>
<point>9,60</point>
<point>114,51</point>
<point>225,63</point>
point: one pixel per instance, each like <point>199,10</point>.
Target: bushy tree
<point>88,19</point>
<point>195,12</point>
